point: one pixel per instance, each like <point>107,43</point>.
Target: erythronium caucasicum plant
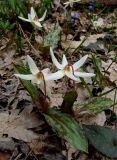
<point>61,120</point>
<point>65,69</point>
<point>74,133</point>
<point>33,18</point>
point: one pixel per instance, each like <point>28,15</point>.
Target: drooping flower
<point>70,3</point>
<point>33,18</point>
<point>98,23</point>
<point>69,70</point>
<point>37,76</point>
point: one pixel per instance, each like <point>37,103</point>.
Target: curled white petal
<point>83,74</point>
<point>70,2</point>
<point>55,76</point>
<point>43,17</point>
<point>54,60</point>
<point>80,63</point>
<point>29,17</point>
<point>33,68</point>
<point>71,76</point>
<point>64,61</point>
<point>26,77</point>
<point>24,19</point>
<point>32,13</point>
<point>46,70</point>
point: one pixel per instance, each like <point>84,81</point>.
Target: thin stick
<point>27,39</point>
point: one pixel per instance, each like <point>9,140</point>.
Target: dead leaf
<point>111,68</point>
<point>98,119</point>
<point>7,58</point>
<point>56,99</point>
<point>19,125</point>
<point>74,44</point>
<point>82,94</point>
<point>113,77</point>
<point>4,156</point>
<point>39,39</point>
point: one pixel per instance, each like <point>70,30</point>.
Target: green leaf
<point>67,128</point>
<point>52,39</point>
<point>68,101</point>
<point>33,91</point>
<point>103,139</point>
<point>96,105</point>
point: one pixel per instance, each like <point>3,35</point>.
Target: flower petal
<point>36,81</point>
<point>37,23</point>
<point>24,19</point>
<point>54,60</point>
<point>64,61</point>
<point>32,13</point>
<point>79,63</point>
<point>46,70</point>
<point>29,17</point>
<point>43,17</point>
<point>33,68</point>
<point>26,77</point>
<point>54,76</point>
<point>84,74</point>
<point>71,76</point>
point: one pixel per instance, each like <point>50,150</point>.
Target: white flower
<point>36,75</point>
<point>66,69</point>
<point>33,18</point>
<point>70,2</point>
<point>98,23</point>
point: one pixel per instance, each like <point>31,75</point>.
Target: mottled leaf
<point>103,139</point>
<point>52,39</point>
<point>96,105</point>
<point>67,128</point>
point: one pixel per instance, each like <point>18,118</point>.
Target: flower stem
<point>74,84</point>
<point>44,87</point>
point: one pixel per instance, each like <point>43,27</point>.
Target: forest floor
<point>75,31</point>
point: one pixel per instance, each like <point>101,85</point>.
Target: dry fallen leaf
<point>111,68</point>
<point>98,119</point>
<point>4,156</point>
<point>19,125</point>
<point>66,43</point>
<point>56,99</point>
<point>38,39</point>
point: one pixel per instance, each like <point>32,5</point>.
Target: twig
<point>27,39</point>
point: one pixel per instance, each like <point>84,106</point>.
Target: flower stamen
<point>40,76</point>
<point>36,18</point>
<point>69,68</point>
